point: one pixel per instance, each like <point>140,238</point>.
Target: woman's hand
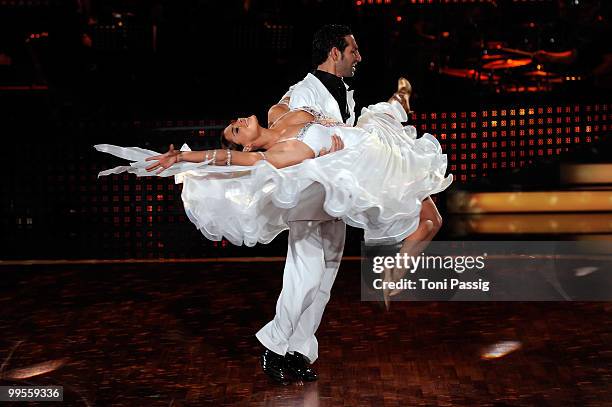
<point>336,145</point>
<point>165,160</point>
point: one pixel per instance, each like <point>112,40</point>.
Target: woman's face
<point>242,131</point>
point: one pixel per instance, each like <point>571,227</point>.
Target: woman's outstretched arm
<point>216,157</point>
<point>293,153</point>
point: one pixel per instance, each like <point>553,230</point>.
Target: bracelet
<point>214,157</point>
<point>206,156</point>
<point>263,155</point>
<point>228,162</point>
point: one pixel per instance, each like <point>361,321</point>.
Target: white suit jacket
<point>311,93</point>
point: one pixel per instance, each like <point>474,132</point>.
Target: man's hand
<point>164,161</point>
<point>336,145</point>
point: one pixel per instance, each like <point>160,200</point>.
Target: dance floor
<point>182,334</point>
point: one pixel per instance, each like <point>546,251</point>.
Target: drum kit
<point>507,70</point>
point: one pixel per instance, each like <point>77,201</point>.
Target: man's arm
<point>297,97</point>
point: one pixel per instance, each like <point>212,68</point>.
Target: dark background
<point>217,59</point>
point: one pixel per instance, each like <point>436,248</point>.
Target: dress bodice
<point>318,134</point>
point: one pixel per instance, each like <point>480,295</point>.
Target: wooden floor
<point>183,335</point>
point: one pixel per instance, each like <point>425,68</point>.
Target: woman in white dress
<point>380,179</point>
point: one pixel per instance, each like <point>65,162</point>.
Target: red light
<point>398,19</point>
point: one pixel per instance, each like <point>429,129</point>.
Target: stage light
<point>512,202</point>
<point>534,223</point>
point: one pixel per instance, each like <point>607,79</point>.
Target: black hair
<point>229,144</point>
<point>326,38</point>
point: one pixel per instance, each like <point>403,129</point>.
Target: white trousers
<point>313,258</point>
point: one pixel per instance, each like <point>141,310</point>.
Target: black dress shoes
<point>275,366</point>
<point>298,365</point>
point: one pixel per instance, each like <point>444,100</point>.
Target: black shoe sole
<point>277,379</point>
<point>304,379</point>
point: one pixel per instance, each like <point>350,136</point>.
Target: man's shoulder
<point>309,90</point>
<point>310,82</point>
<point>301,87</point>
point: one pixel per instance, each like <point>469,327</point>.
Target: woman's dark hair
<point>229,144</point>
<point>326,38</point>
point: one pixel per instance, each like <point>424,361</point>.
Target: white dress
<point>377,182</point>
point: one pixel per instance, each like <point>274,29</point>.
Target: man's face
<point>350,58</point>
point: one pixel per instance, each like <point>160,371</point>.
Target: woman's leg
<point>429,225</point>
<point>430,213</point>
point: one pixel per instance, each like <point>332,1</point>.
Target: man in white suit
<point>316,240</point>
